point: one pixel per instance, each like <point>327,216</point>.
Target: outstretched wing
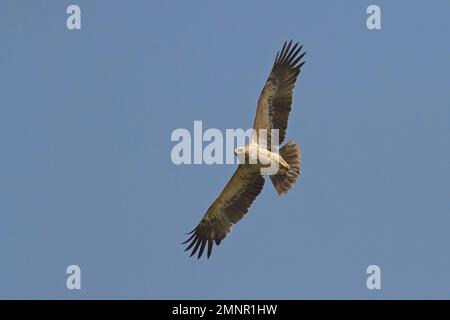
<point>231,205</point>
<point>275,101</point>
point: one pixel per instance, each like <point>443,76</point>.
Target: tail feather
<point>290,152</point>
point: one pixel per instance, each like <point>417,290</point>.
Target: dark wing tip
<point>198,244</point>
<point>191,232</point>
<point>202,247</point>
<point>280,53</point>
<point>193,241</point>
<point>289,55</point>
<point>189,239</point>
<point>210,247</point>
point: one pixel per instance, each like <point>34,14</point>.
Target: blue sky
<point>86,176</point>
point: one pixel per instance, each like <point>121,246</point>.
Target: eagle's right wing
<point>231,205</point>
<point>275,101</point>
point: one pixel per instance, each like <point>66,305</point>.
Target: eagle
<point>247,182</point>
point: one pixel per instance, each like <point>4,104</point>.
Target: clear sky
<point>86,176</point>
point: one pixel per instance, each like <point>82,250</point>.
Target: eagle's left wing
<point>231,205</point>
<point>275,101</point>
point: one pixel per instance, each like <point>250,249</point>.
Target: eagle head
<point>238,151</point>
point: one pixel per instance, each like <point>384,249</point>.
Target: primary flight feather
<point>274,106</point>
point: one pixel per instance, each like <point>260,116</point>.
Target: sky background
<point>86,176</point>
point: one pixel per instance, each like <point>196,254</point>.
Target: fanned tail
<point>290,152</point>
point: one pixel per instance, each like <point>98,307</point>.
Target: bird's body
<point>259,158</point>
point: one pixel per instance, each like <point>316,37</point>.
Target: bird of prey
<point>245,185</point>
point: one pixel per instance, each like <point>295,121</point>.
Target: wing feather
<point>275,101</point>
<point>230,207</point>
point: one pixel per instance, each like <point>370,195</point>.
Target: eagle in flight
<point>245,185</point>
